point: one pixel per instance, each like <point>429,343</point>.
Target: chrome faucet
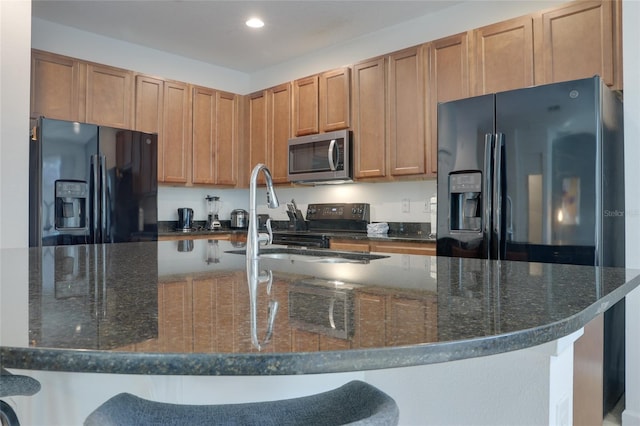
<point>253,237</point>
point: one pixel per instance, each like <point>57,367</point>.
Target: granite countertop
<point>148,308</point>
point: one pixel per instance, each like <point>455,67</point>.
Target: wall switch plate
<point>406,205</point>
<point>425,207</point>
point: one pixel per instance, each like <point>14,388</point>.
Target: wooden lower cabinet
<point>174,316</point>
<point>370,314</point>
<point>428,248</point>
<point>382,318</point>
<point>403,247</point>
<point>420,312</point>
<point>348,245</point>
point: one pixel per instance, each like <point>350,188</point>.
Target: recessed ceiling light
<point>255,23</point>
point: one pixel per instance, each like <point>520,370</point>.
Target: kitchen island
<point>147,309</point>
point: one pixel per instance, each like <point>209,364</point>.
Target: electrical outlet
<point>406,205</point>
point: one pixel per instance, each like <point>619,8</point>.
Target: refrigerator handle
<point>486,190</point>
<point>497,195</point>
<point>96,190</point>
<point>103,200</point>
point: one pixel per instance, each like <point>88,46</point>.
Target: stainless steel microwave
<point>321,158</point>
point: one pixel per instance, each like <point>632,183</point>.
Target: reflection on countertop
<point>146,308</point>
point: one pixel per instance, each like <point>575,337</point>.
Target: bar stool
<point>355,403</point>
<point>14,385</point>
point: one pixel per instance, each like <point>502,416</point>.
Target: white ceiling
<point>214,31</point>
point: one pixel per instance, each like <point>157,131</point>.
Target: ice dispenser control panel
<point>465,194</point>
<point>71,205</point>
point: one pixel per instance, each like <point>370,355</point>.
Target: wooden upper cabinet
<point>175,153</point>
<point>504,56</point>
<point>258,129</point>
<point>406,141</point>
<point>203,135</point>
<point>280,109</point>
<point>214,138</point>
<point>226,153</point>
<point>149,104</point>
<point>109,96</point>
<point>335,99</point>
<point>448,79</point>
<point>580,41</point>
<point>305,95</point>
<point>55,86</point>
<point>369,119</point>
<point>322,103</point>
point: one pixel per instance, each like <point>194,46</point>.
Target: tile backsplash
<point>390,202</point>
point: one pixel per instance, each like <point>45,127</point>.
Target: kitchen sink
<point>314,255</point>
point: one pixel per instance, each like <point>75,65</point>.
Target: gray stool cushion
<point>11,385</point>
<point>355,403</point>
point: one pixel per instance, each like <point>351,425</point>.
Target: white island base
<point>524,387</point>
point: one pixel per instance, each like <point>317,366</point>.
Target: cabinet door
<point>203,135</point>
<point>258,140</point>
<point>448,78</point>
<point>305,95</point>
<point>55,87</point>
<point>148,117</point>
<point>504,56</point>
<point>411,321</point>
<point>280,110</point>
<point>226,153</point>
<point>109,99</point>
<point>578,41</point>
<point>348,245</point>
<point>406,139</point>
<point>370,320</point>
<point>176,131</point>
<point>369,118</point>
<point>335,99</point>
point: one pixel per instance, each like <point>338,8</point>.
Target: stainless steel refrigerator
<point>91,184</point>
<point>537,175</point>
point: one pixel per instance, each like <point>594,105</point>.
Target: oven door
<point>318,158</point>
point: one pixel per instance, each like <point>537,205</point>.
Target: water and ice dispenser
<point>465,194</point>
<point>71,204</point>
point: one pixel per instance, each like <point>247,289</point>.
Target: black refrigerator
<point>537,175</point>
<point>91,184</point>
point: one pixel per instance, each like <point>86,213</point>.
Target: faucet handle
<point>269,231</point>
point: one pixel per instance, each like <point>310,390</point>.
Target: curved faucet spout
<point>253,237</point>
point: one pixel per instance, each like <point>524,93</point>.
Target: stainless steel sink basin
<point>314,255</point>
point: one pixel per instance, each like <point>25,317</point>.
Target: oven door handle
<point>332,148</point>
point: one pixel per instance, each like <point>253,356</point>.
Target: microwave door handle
<point>332,322</point>
<point>332,148</point>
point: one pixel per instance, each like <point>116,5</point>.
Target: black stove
<point>323,221</point>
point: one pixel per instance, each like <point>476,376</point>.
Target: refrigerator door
<point>550,192</point>
<point>129,206</point>
<point>465,149</point>
<point>61,184</point>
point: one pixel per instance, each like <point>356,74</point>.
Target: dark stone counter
<point>148,308</point>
